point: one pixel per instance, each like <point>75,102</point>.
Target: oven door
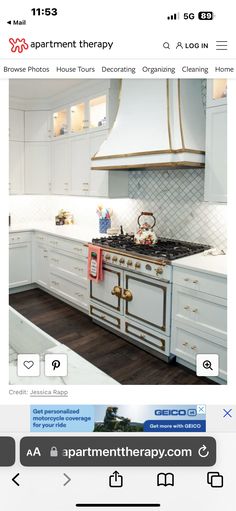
<point>148,301</point>
<point>102,292</point>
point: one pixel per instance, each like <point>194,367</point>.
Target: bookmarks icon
<point>165,479</point>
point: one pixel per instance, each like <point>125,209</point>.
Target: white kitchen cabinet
<point>40,265</point>
<point>199,316</point>
<point>71,291</point>
<point>19,264</point>
<point>37,126</point>
<point>80,165</point>
<point>16,167</point>
<point>37,168</point>
<point>189,342</point>
<point>16,125</point>
<point>216,154</point>
<point>68,270</point>
<point>61,167</point>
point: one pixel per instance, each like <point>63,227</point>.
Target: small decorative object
<point>104,215</point>
<point>145,234</point>
<point>64,218</point>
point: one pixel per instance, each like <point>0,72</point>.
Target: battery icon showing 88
<point>205,15</point>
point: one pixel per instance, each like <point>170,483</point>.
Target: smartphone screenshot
<point>118,207</point>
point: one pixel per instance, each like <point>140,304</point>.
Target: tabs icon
<point>165,479</point>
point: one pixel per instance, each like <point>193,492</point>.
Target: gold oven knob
<point>107,257</point>
<point>137,266</point>
<point>121,261</point>
<point>159,271</point>
<point>114,259</point>
<point>129,262</point>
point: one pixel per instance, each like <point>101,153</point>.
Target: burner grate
<point>164,248</point>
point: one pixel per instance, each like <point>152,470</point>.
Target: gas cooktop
<point>165,248</point>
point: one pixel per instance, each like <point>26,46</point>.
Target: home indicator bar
<point>119,505</point>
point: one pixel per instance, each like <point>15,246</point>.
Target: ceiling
<point>40,88</point>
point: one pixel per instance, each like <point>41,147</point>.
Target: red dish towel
<point>95,269</point>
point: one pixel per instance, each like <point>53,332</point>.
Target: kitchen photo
<point>117,231</point>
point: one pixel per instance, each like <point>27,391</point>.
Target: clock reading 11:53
<point>47,11</point>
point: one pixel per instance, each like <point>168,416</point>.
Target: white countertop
<point>72,232</point>
<point>217,265</point>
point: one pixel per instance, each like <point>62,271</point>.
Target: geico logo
<point>171,412</point>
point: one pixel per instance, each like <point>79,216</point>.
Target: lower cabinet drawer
<point>202,311</point>
<point>68,266</point>
<point>19,237</point>
<point>147,337</point>
<point>200,281</point>
<point>105,317</point>
<point>69,290</point>
<point>186,343</point>
<point>74,247</point>
<point>40,237</point>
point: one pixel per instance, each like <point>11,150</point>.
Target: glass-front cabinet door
<point>216,92</point>
<point>60,123</point>
<point>77,118</point>
<point>90,114</point>
<point>98,112</point>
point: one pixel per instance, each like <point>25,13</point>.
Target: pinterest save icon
<point>18,45</point>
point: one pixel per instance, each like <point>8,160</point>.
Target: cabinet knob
<point>195,281</point>
<point>193,348</point>
<point>185,343</point>
<point>195,310</point>
<point>187,307</point>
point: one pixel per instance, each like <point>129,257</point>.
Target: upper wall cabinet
<point>37,126</point>
<point>37,168</point>
<point>16,125</point>
<point>81,117</point>
<point>93,109</point>
<point>61,163</point>
<point>16,167</point>
<point>216,142</point>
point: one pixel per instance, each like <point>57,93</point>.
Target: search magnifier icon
<point>166,45</point>
<point>207,365</point>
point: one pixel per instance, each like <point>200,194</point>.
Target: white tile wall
<point>174,196</point>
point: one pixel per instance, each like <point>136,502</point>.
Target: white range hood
<point>159,124</point>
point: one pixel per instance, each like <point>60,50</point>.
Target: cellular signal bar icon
<point>174,16</point>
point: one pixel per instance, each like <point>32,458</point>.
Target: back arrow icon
<point>14,479</point>
<point>68,479</point>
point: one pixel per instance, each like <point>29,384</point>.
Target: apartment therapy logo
<point>38,45</point>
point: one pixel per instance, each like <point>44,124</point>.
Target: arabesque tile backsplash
<point>176,197</point>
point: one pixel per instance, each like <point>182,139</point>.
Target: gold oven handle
<point>117,291</point>
<point>127,295</point>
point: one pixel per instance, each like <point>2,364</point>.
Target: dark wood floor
<point>120,359</point>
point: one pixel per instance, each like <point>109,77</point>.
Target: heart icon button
<point>28,364</point>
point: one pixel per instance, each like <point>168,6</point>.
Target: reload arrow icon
<point>68,479</point>
<point>14,479</point>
